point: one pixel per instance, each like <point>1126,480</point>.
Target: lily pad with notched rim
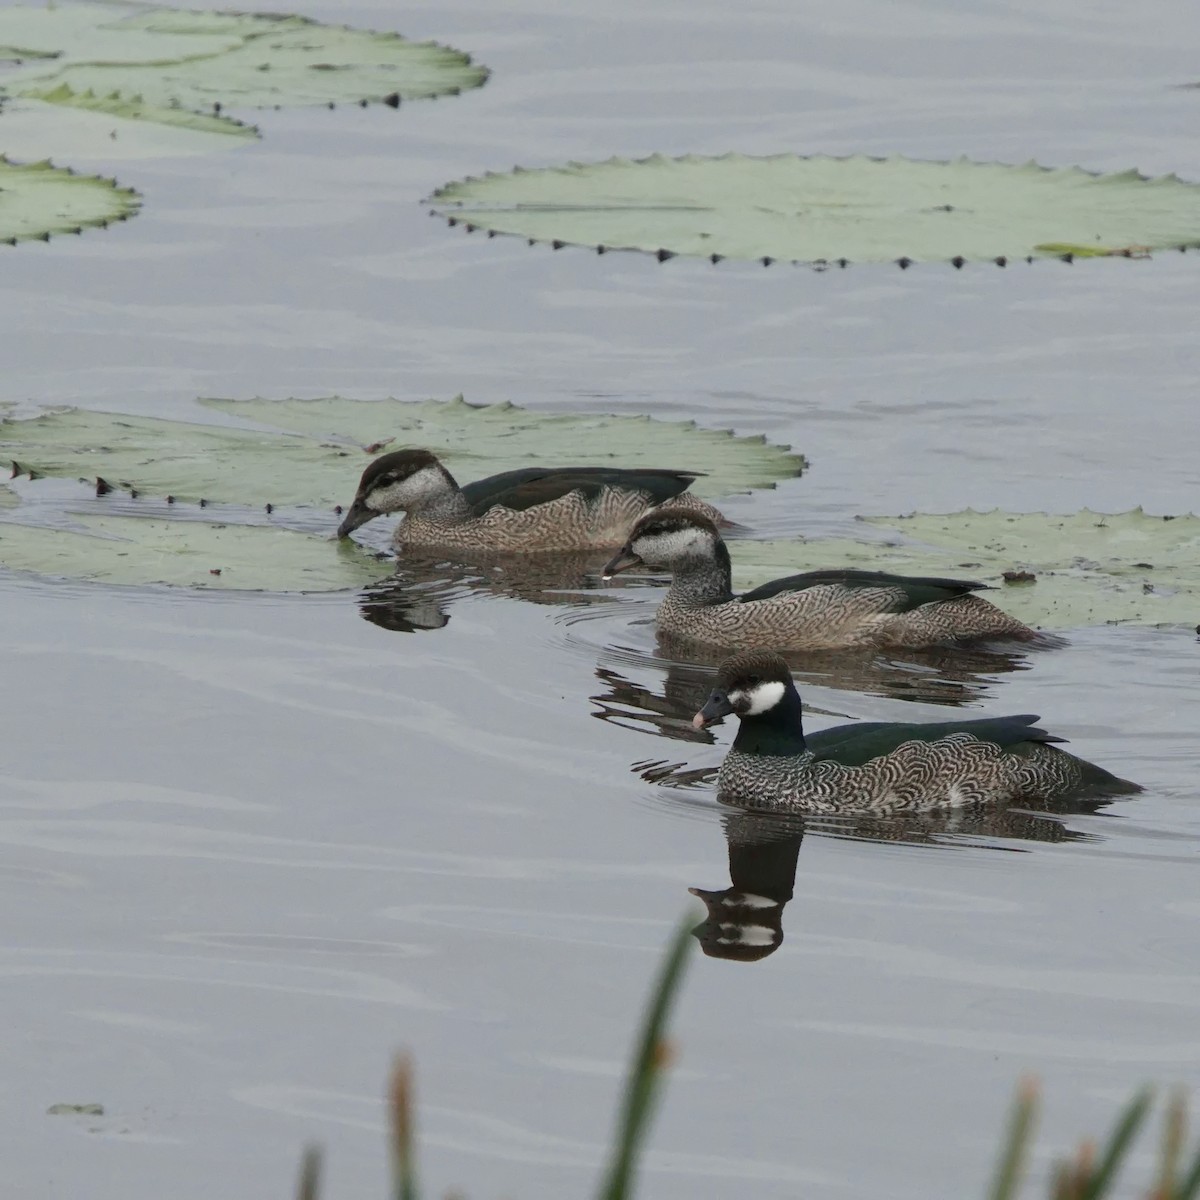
<point>38,200</point>
<point>1089,568</point>
<point>831,210</point>
<point>109,127</point>
<point>180,68</point>
<point>318,462</point>
<point>187,553</point>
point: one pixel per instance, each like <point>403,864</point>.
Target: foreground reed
<point>1090,1173</point>
<point>652,1056</point>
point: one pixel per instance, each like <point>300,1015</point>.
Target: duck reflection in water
<point>418,595</point>
<point>745,920</point>
<point>948,675</point>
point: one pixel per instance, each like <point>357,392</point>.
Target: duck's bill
<point>623,560</point>
<point>358,514</point>
<point>716,707</point>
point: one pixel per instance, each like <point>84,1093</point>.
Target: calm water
<point>251,845</point>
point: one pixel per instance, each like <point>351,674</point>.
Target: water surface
<point>250,845</point>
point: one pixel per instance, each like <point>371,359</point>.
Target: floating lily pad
<point>826,210</point>
<point>187,553</point>
<point>70,125</point>
<point>38,200</point>
<point>180,69</point>
<point>1089,568</point>
<point>319,461</point>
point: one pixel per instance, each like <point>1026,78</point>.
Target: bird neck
<point>701,580</point>
<point>445,505</point>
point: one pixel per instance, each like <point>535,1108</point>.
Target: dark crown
<point>671,520</point>
<point>750,668</point>
<point>392,468</point>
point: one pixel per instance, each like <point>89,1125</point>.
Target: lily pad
<point>319,460</point>
<point>105,70</point>
<point>1089,568</point>
<point>825,210</point>
<point>180,59</point>
<point>38,200</point>
<point>106,127</point>
<point>187,553</point>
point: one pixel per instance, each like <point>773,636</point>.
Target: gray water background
<point>250,845</point>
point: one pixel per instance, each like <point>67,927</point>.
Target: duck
<point>527,510</point>
<point>879,767</point>
<point>816,610</point>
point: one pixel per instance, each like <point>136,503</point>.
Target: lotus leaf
<point>1089,568</point>
<point>37,200</point>
<point>187,553</point>
<point>825,210</point>
<point>180,69</point>
<point>320,460</point>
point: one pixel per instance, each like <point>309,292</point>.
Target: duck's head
<point>403,479</point>
<point>668,537</point>
<point>748,685</point>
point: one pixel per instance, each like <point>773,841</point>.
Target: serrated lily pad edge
<point>441,203</point>
<point>132,202</point>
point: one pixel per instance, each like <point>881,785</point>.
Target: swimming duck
<point>530,509</point>
<point>818,610</point>
<point>879,767</point>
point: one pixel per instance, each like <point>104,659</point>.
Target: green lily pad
<point>87,126</point>
<point>831,210</point>
<point>129,65</point>
<point>187,553</point>
<point>1089,568</point>
<point>38,200</point>
<point>318,462</point>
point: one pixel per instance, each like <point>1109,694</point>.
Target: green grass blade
<point>1174,1135</point>
<point>649,1061</point>
<point>1011,1167</point>
<point>1128,1124</point>
<point>404,1167</point>
<point>1189,1189</point>
<point>309,1186</point>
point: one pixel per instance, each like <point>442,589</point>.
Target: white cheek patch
<point>679,543</point>
<point>762,698</point>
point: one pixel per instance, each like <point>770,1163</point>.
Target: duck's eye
<point>755,680</point>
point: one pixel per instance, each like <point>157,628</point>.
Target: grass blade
<point>309,1186</point>
<point>1011,1167</point>
<point>1128,1124</point>
<point>404,1167</point>
<point>651,1058</point>
<point>1189,1189</point>
<point>1174,1135</point>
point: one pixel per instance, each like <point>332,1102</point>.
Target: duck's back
<point>528,487</point>
<point>887,768</point>
<point>551,509</point>
<point>818,610</point>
